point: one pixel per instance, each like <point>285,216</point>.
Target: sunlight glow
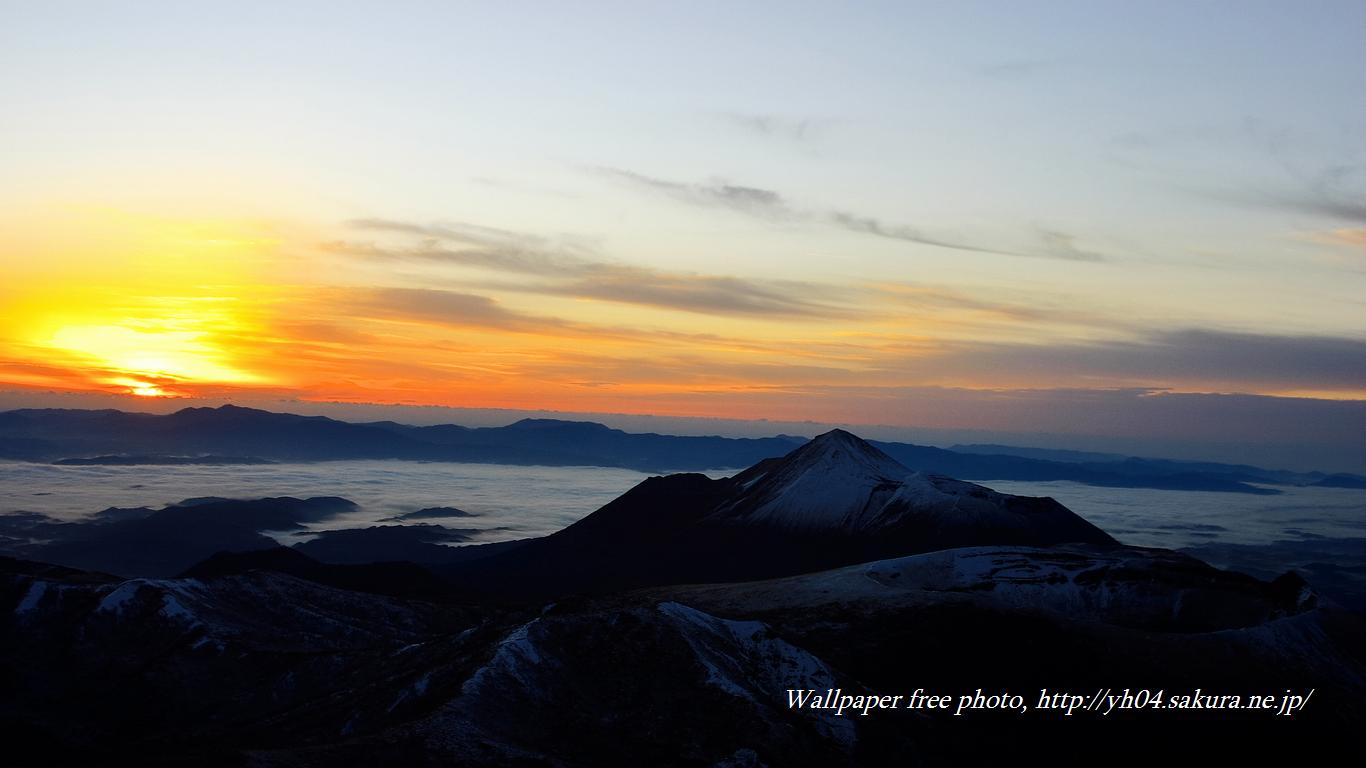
<point>157,352</point>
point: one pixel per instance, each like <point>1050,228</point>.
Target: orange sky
<point>111,300</point>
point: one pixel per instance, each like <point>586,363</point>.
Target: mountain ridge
<point>64,434</point>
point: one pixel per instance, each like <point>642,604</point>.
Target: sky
<point>1140,222</point>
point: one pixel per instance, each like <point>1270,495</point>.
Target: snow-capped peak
<point>846,453</point>
<point>837,483</point>
<point>827,483</point>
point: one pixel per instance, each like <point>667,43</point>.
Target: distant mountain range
<point>231,434</point>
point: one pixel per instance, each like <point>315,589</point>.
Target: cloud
<point>1326,207</point>
<point>1330,191</point>
<point>563,273</point>
<point>444,307</point>
<point>1018,310</point>
<point>870,226</point>
<point>1061,245</point>
<point>750,200</point>
<point>771,205</point>
<point>771,126</point>
<point>1332,195</point>
<point>526,261</point>
<point>458,231</point>
<point>703,294</point>
<point>560,272</point>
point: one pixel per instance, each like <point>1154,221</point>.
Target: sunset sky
<point>1087,218</point>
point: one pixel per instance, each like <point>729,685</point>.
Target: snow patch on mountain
<point>116,600</point>
<point>32,598</point>
<point>744,657</point>
<point>513,655</point>
<point>173,609</point>
<point>415,691</point>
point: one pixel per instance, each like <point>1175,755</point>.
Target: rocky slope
<point>267,669</point>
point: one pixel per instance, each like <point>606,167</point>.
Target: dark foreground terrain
<point>262,668</point>
<point>668,628</point>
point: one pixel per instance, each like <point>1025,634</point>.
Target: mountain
<point>108,436</point>
<point>838,483</point>
<point>161,542</point>
<point>834,501</point>
<point>1047,454</point>
<point>1127,473</point>
<point>415,542</point>
<point>62,435</point>
<point>1342,481</point>
<point>133,461</point>
<point>430,513</point>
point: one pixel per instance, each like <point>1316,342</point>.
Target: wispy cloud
<point>1308,182</point>
<point>1323,203</point>
<point>1017,310</point>
<point>771,205</point>
<point>702,294</point>
<point>1326,207</point>
<point>562,272</point>
<point>558,270</point>
<point>870,226</point>
<point>501,259</point>
<point>1061,245</point>
<point>451,230</point>
<point>1329,192</point>
<point>772,126</point>
<point>446,307</point>
<point>751,200</point>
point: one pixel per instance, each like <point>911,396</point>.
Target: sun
<point>142,388</point>
<point>146,350</point>
<point>149,346</point>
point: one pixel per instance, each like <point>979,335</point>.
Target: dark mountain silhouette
<point>1342,481</point>
<point>431,513</point>
<point>124,460</point>
<point>52,434</point>
<point>419,543</point>
<point>1128,473</point>
<point>147,542</point>
<point>110,436</point>
<point>1048,454</point>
